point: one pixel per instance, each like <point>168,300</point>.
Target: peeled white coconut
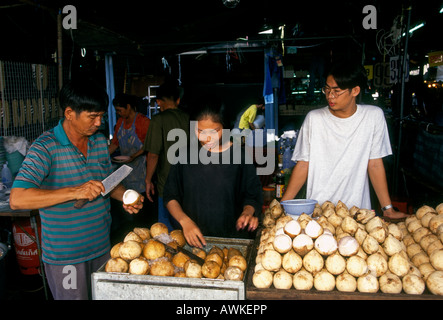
<point>348,246</point>
<point>131,197</point>
<point>326,244</point>
<point>302,244</point>
<point>282,243</point>
<point>313,229</point>
<point>292,228</point>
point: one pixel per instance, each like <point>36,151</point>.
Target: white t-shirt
<point>338,151</point>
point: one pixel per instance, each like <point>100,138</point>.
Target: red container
<point>25,246</point>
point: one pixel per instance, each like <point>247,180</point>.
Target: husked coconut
<point>377,264</point>
<point>427,240</point>
<point>115,250</point>
<point>139,266</point>
<point>282,221</point>
<point>143,233</point>
<point>317,211</point>
<point>326,244</point>
<point>353,210</point>
<point>327,204</point>
<point>423,210</point>
<point>367,283</point>
<point>426,269</point>
<point>324,281</point>
<point>282,280</point>
<point>262,279</point>
<point>410,219</point>
<point>162,267</point>
<point>364,215</point>
<point>360,235</point>
<point>413,284</point>
<point>313,262</point>
<point>392,246</point>
<point>420,233</point>
<point>379,234</point>
<point>413,249</point>
<point>131,235</point>
<point>345,282</point>
<point>233,273</point>
<point>348,246</point>
<point>407,239</point>
<point>375,222</point>
<point>436,245</point>
<point>328,212</point>
<point>349,225</point>
<point>116,265</point>
<point>335,264</point>
<point>179,259</point>
<point>292,228</point>
<point>292,262</point>
<point>157,229</point>
<point>268,221</point>
<point>177,236</point>
<point>435,222</point>
<point>211,269</point>
<point>414,225</point>
<point>130,250</point>
<point>398,264</point>
<point>154,249</point>
<point>326,225</point>
<point>335,220</point>
<point>342,212</point>
<point>276,211</point>
<point>426,218</point>
<point>282,243</point>
<point>395,231</point>
<point>436,259</point>
<point>303,280</point>
<point>356,266</point>
<point>420,258</point>
<point>238,261</point>
<point>435,282</point>
<point>439,208</point>
<point>193,269</point>
<point>271,260</point>
<point>390,283</point>
<point>370,244</point>
<point>302,244</point>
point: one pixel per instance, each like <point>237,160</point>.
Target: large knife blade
<point>110,182</point>
<point>191,255</point>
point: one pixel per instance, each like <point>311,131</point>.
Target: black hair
<point>168,90</point>
<point>260,100</point>
<point>84,95</point>
<point>349,75</point>
<point>212,108</point>
<point>123,99</point>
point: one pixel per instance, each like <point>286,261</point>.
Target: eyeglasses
<point>333,92</point>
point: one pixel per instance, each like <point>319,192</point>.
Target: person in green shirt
<point>248,117</point>
<point>157,145</point>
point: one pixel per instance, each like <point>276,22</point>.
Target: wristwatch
<point>389,206</point>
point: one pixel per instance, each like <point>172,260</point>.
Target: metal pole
<point>59,50</point>
<point>402,101</point>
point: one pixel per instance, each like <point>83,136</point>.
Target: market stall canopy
<point>160,28</point>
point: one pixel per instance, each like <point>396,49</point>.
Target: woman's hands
<point>247,219</point>
<point>192,233</point>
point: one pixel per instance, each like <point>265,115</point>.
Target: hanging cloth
<point>129,143</point>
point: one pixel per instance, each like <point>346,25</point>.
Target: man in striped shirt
<point>65,164</point>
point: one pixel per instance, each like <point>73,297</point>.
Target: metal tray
<point>125,286</point>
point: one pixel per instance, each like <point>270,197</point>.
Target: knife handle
<point>80,203</point>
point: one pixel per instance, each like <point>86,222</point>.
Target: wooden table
<point>31,214</point>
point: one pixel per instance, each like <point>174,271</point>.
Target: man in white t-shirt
<point>341,147</point>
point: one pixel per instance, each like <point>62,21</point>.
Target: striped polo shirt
<point>69,235</point>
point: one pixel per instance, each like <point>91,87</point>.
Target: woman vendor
<point>222,198</point>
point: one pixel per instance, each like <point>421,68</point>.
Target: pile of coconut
<point>143,252</point>
<point>350,250</point>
